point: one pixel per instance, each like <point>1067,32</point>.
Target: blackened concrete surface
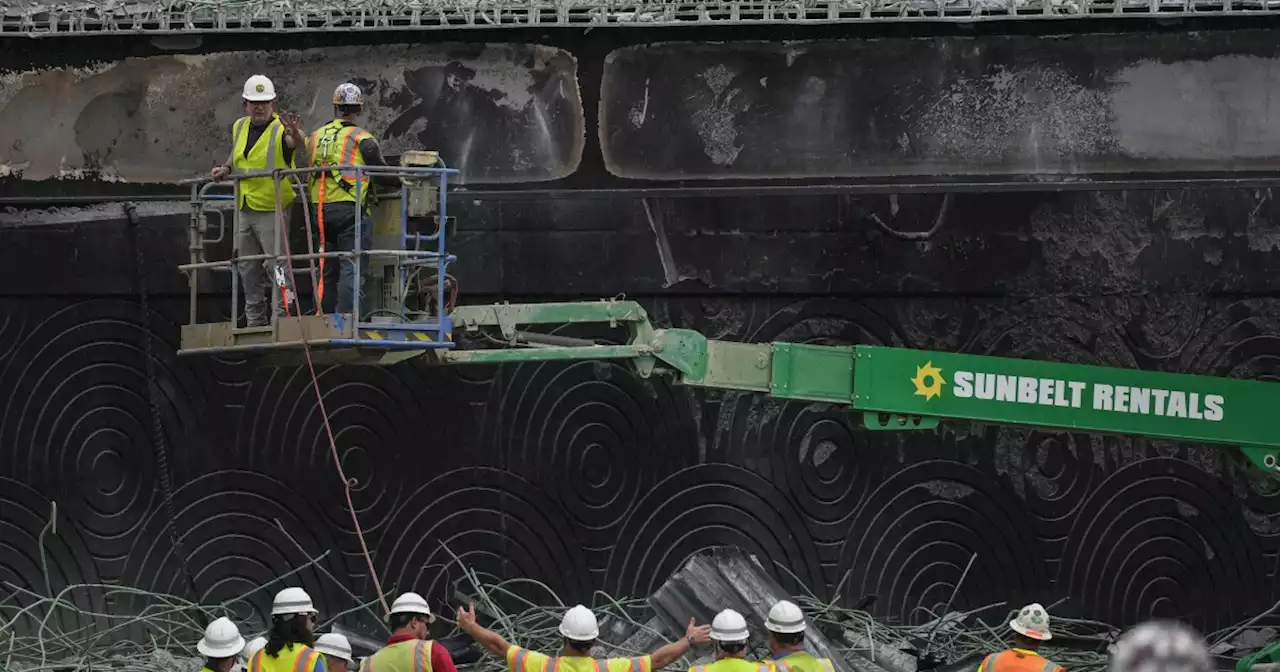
<point>1065,107</point>
<point>586,477</point>
<point>501,112</point>
<point>1074,104</point>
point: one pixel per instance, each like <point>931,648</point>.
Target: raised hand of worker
<point>698,633</point>
<point>219,172</point>
<point>466,618</point>
<point>292,125</point>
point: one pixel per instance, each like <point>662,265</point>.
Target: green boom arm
<point>897,388</point>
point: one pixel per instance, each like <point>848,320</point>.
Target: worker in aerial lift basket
<point>1030,628</point>
<point>220,645</point>
<point>288,649</point>
<point>786,628</point>
<point>261,140</point>
<point>730,635</point>
<point>579,631</point>
<point>333,197</point>
<point>410,648</point>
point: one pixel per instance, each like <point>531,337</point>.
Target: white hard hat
<point>1032,622</point>
<point>785,618</point>
<point>579,624</point>
<point>1156,646</point>
<point>255,645</point>
<point>410,603</point>
<point>221,640</point>
<point>348,94</point>
<point>333,644</point>
<point>729,626</point>
<point>259,89</point>
<point>292,601</point>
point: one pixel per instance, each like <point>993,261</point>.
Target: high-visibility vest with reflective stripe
<point>801,661</point>
<point>335,144</point>
<point>413,655</point>
<point>524,660</point>
<point>259,193</point>
<point>292,658</point>
<point>1017,660</point>
<point>732,665</point>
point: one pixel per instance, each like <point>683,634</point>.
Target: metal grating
<point>49,19</point>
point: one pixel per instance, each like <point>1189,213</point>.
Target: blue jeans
<point>340,236</point>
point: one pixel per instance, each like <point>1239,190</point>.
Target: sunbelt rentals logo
<point>928,381</point>
<point>931,383</point>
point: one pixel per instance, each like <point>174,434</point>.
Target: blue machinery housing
<point>410,232</point>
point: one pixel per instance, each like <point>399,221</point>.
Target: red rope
<point>347,483</point>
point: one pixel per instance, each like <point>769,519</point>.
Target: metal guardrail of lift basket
<point>424,182</point>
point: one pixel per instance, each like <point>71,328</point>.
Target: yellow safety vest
<point>292,658</point>
<point>335,144</point>
<point>732,665</point>
<point>259,193</point>
<point>406,656</point>
<point>801,661</point>
<point>524,660</point>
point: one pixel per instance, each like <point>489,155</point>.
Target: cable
<point>157,426</point>
<point>347,483</point>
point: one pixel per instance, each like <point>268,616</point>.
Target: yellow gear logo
<point>933,375</point>
<point>261,88</point>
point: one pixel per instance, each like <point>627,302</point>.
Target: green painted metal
<point>1266,655</point>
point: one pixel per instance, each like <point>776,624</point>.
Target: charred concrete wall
<point>585,477</point>
<point>1076,105</point>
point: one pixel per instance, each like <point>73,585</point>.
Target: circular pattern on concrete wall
<point>1159,538</point>
<point>594,435</point>
<point>226,522</point>
<point>707,506</point>
<point>914,535</point>
<point>66,559</point>
<point>498,524</point>
<point>817,453</point>
<point>393,431</point>
<point>78,423</point>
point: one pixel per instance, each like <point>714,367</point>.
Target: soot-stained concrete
<point>498,112</point>
<point>1007,105</point>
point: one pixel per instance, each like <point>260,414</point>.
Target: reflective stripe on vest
<point>1016,661</point>
<point>336,145</point>
<point>293,658</point>
<point>259,193</point>
<point>407,656</point>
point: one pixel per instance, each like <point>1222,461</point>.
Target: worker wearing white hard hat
<point>579,631</point>
<point>786,626</point>
<point>1030,628</point>
<point>255,645</point>
<point>261,140</point>
<point>730,635</point>
<point>410,619</point>
<point>292,636</point>
<point>335,195</point>
<point>336,651</point>
<point>220,645</point>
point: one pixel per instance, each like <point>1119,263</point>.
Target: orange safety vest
<point>1018,660</point>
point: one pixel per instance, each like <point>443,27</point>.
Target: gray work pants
<point>256,234</point>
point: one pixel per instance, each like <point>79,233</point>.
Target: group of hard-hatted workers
<point>292,645</point>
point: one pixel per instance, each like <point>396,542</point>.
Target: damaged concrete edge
<point>102,212</point>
